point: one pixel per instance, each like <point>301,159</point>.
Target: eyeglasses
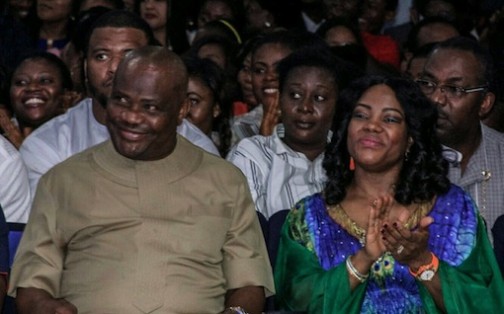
<point>451,91</point>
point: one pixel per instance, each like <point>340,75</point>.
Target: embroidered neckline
<point>338,214</point>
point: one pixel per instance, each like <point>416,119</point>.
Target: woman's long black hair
<point>424,172</point>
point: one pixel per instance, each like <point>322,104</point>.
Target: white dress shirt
<point>14,187</point>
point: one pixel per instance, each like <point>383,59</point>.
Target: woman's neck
<point>372,185</point>
<point>26,128</point>
<point>160,35</point>
<point>53,30</point>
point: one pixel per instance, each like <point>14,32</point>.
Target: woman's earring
<point>351,166</point>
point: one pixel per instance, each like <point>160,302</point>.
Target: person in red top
<point>373,16</point>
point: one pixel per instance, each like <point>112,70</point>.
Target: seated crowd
<point>248,156</point>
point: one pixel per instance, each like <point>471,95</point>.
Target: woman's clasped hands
<point>388,233</point>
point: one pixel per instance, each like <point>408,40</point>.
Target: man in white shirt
<point>14,188</point>
<point>110,38</point>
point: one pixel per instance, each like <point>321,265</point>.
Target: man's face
<point>458,117</point>
<point>435,33</point>
<point>213,10</point>
<point>343,8</point>
<point>107,46</point>
<point>144,111</point>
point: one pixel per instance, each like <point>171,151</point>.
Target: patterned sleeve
<point>300,281</point>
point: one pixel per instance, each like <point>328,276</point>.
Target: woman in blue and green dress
<point>389,234</point>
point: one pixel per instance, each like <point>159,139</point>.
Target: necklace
<point>338,214</point>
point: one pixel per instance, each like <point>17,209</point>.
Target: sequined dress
<point>310,273</point>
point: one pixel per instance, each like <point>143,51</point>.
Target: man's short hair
<point>412,43</point>
<point>121,19</point>
<point>486,76</point>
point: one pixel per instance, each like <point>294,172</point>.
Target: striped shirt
<point>277,175</point>
<point>483,178</point>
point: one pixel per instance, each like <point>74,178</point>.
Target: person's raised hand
<point>10,130</point>
<point>271,116</point>
<point>408,247</point>
<point>378,212</point>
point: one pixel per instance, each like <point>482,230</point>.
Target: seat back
<point>275,224</point>
<point>264,226</point>
<point>15,233</point>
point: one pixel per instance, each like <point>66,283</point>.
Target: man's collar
<point>452,156</point>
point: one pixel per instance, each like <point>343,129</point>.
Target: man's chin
<point>100,97</point>
<point>128,150</point>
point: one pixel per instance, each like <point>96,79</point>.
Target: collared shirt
<point>483,178</point>
<point>14,187</point>
<point>247,125</point>
<point>278,176</point>
<point>75,131</point>
<point>311,25</point>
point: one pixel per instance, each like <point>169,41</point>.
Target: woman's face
<point>308,103</point>
<point>36,91</point>
<point>264,74</point>
<point>245,81</point>
<point>377,133</point>
<point>54,10</point>
<point>204,108</point>
<point>154,12</point>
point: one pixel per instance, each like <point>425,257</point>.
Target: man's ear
<point>184,110</point>
<point>486,104</point>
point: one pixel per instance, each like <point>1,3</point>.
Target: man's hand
<point>38,301</point>
<point>250,298</point>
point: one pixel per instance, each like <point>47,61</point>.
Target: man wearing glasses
<point>457,78</point>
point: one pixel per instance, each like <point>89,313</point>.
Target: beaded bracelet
<point>354,272</point>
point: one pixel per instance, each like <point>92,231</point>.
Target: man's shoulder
<point>209,163</point>
<point>71,165</point>
<point>63,123</point>
<point>492,136</point>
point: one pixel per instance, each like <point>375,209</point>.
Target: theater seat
<point>15,233</point>
<point>275,224</point>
